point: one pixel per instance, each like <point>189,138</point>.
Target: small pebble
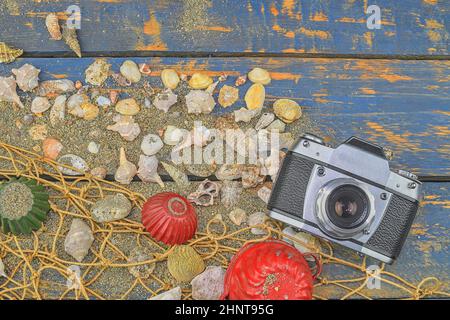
<point>93,147</point>
<point>111,208</point>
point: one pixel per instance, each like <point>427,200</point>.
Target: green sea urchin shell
<point>23,206</point>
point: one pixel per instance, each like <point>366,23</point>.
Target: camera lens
<point>347,206</point>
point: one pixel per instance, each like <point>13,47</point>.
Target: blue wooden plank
<point>412,27</point>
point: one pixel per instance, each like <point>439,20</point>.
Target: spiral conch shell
<point>126,170</point>
<point>52,23</point>
<point>78,240</point>
<point>184,263</point>
<point>148,170</point>
<point>70,37</point>
<point>258,75</point>
<point>27,77</point>
<point>8,91</point>
<point>255,96</point>
<point>8,54</point>
<point>200,81</point>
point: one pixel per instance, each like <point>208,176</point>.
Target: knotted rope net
<point>39,269</point>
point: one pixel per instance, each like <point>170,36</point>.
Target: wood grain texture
<point>409,27</point>
<point>401,105</point>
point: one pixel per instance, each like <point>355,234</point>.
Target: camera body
<point>347,195</point>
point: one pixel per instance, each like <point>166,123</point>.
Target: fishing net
<point>39,264</point>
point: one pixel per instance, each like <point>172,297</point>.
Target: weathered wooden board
<point>409,27</point>
<point>402,105</point>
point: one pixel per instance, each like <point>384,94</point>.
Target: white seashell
<point>209,284</point>
<point>259,75</point>
<point>97,72</point>
<point>255,219</point>
<point>79,240</point>
<point>128,107</point>
<point>2,269</point>
<point>199,101</point>
<point>277,125</point>
<point>164,100</point>
<point>151,144</point>
<point>75,104</point>
<point>55,86</point>
<point>8,91</point>
<point>143,271</point>
<point>93,147</point>
<point>245,115</point>
<point>264,194</point>
<point>174,135</point>
<point>111,208</point>
<point>237,216</point>
<point>199,137</point>
<point>40,105</point>
<point>206,192</point>
<point>103,102</point>
<point>58,110</point>
<point>126,127</point>
<point>230,193</point>
<point>251,176</point>
<point>27,77</point>
<point>75,162</point>
<point>172,294</point>
<point>265,120</point>
<point>126,170</point>
<point>99,172</point>
<point>130,71</point>
<point>52,24</point>
<point>148,170</point>
<point>170,78</point>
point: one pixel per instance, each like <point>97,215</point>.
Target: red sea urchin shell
<point>169,218</point>
<point>269,270</point>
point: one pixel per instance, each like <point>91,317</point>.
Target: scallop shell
<point>111,208</point>
<point>74,161</point>
<point>99,172</point>
<point>151,144</point>
<point>208,285</point>
<point>70,38</point>
<point>52,23</point>
<point>172,294</point>
<point>287,110</point>
<point>255,96</point>
<point>164,100</point>
<point>27,77</point>
<point>79,240</point>
<point>51,148</point>
<point>174,135</point>
<point>170,78</point>
<point>8,54</point>
<point>199,101</point>
<point>184,263</point>
<point>237,216</point>
<point>228,96</point>
<point>200,81</point>
<point>126,170</point>
<point>257,218</point>
<point>128,107</point>
<point>97,72</point>
<point>8,91</point>
<point>265,120</point>
<point>258,75</point>
<point>126,127</point>
<point>180,178</point>
<point>245,115</point>
<point>148,170</point>
<point>40,105</point>
<point>130,70</point>
<point>55,87</point>
<point>230,193</point>
<point>140,254</point>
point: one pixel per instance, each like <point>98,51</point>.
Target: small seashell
<point>128,107</point>
<point>251,176</point>
<point>199,136</point>
<point>245,115</point>
<point>287,110</point>
<point>199,101</point>
<point>200,81</point>
<point>228,95</point>
<point>126,170</point>
<point>8,91</point>
<point>265,120</point>
<point>93,147</point>
<point>143,271</point>
<point>40,105</point>
<point>55,87</point>
<point>184,263</point>
<point>264,194</point>
<point>237,216</point>
<point>2,269</point>
<point>145,69</point>
<point>126,127</point>
<point>258,75</point>
<point>38,132</point>
<point>229,172</point>
<point>148,170</point>
<point>174,135</point>
<point>51,148</point>
<point>206,192</point>
<point>223,77</point>
<point>255,96</point>
<point>89,111</point>
<point>306,243</point>
<point>164,100</point>
<point>58,110</point>
<point>28,119</point>
<point>74,161</point>
<point>8,54</point>
<point>208,285</point>
<point>79,239</point>
<point>52,24</point>
<point>103,102</point>
<point>184,77</point>
<point>75,102</point>
<point>240,80</point>
<point>151,144</point>
<point>255,219</point>
<point>277,125</point>
<point>130,70</point>
<point>97,72</point>
<point>212,87</point>
<point>78,85</point>
<point>69,35</point>
<point>172,294</point>
<point>230,193</point>
<point>180,178</point>
<point>111,208</point>
<point>27,77</point>
<point>121,80</point>
<point>99,172</point>
<point>170,78</point>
